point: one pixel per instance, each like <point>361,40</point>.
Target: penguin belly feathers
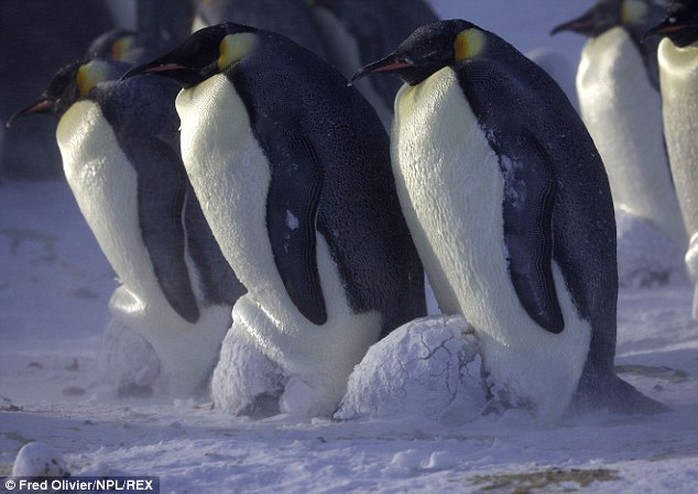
<point>622,111</point>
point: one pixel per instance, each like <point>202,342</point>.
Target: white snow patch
<point>38,459</point>
<point>292,220</point>
<point>647,256</point>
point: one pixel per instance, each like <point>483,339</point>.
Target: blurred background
<point>37,37</point>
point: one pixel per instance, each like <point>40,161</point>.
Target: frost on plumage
<point>37,459</point>
<point>128,361</point>
<point>250,389</point>
<point>427,368</point>
<point>292,220</point>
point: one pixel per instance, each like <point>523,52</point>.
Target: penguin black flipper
<point>161,220</point>
<point>292,206</point>
<point>529,188</point>
<point>529,191</point>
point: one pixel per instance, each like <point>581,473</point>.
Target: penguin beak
<point>587,24</point>
<point>575,25</point>
<point>181,74</point>
<point>152,68</point>
<point>664,28</point>
<point>43,106</point>
<point>391,63</point>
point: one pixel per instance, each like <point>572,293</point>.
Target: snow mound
<point>37,459</point>
<point>245,381</point>
<point>647,257</point>
<point>428,368</point>
<point>129,362</point>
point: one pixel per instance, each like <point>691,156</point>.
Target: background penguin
<point>36,39</point>
<point>116,44</point>
<point>119,144</point>
<point>292,168</point>
<point>511,212</point>
<point>678,64</point>
<point>617,88</point>
<point>31,152</point>
<point>158,25</point>
<point>356,32</point>
<point>290,18</point>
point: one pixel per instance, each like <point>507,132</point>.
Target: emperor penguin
<point>292,167</point>
<point>678,70</point>
<point>355,32</point>
<point>119,145</point>
<point>618,93</point>
<point>116,44</point>
<point>290,18</point>
<point>510,208</point>
<point>144,29</point>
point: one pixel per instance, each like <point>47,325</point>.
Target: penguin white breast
<point>231,177</point>
<point>105,186</point>
<point>451,191</point>
<point>622,111</point>
<point>678,68</point>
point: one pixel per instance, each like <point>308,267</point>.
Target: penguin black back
<point>329,159</point>
<point>562,161</point>
<point>355,162</point>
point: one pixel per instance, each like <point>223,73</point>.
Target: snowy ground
<point>54,287</point>
<point>53,295</point>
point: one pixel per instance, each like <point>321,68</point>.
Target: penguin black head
<point>71,83</point>
<point>680,24</point>
<point>634,15</point>
<point>430,48</point>
<point>205,53</point>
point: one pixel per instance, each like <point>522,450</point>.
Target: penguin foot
<point>617,396</point>
<point>628,401</point>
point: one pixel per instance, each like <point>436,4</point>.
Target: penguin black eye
<point>672,20</point>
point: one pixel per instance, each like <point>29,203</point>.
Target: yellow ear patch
<point>235,47</point>
<point>121,47</point>
<point>632,11</point>
<point>468,44</point>
<point>89,75</point>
